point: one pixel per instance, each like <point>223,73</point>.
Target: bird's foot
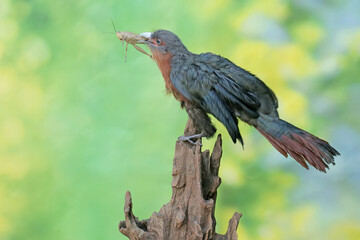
<point>184,138</point>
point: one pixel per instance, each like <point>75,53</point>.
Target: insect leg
<point>126,50</point>
<point>141,50</point>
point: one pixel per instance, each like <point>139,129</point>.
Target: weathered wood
<point>190,213</point>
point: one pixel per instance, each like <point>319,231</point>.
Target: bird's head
<point>163,42</point>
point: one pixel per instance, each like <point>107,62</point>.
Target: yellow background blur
<point>79,126</point>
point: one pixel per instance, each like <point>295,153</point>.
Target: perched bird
<point>210,84</point>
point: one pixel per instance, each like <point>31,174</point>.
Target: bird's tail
<point>299,144</point>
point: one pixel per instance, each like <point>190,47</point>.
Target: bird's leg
<point>201,120</point>
<point>184,138</point>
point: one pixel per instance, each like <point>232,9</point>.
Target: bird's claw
<point>184,138</point>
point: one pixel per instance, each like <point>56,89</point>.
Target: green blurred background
<point>79,126</point>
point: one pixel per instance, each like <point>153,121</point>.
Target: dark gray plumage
<point>210,84</point>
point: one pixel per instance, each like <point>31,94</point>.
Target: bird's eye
<point>158,41</point>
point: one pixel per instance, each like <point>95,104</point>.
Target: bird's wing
<point>263,98</point>
<point>195,81</point>
<point>204,85</point>
<point>224,90</point>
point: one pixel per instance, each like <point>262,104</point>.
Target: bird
<point>207,83</point>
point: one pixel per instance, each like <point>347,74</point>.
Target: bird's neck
<point>180,58</point>
<point>165,62</point>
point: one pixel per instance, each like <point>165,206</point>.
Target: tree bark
<point>190,213</point>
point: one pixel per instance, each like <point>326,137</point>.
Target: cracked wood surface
<point>190,213</point>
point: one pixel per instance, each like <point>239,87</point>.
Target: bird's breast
<point>163,61</point>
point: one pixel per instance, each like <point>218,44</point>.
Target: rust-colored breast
<point>163,62</point>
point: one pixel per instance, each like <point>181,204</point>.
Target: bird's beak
<point>147,36</point>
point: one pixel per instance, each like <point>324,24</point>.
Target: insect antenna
<point>113,24</point>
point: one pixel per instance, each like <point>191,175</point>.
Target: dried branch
<point>190,212</point>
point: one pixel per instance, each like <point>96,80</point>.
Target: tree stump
<point>190,213</point>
